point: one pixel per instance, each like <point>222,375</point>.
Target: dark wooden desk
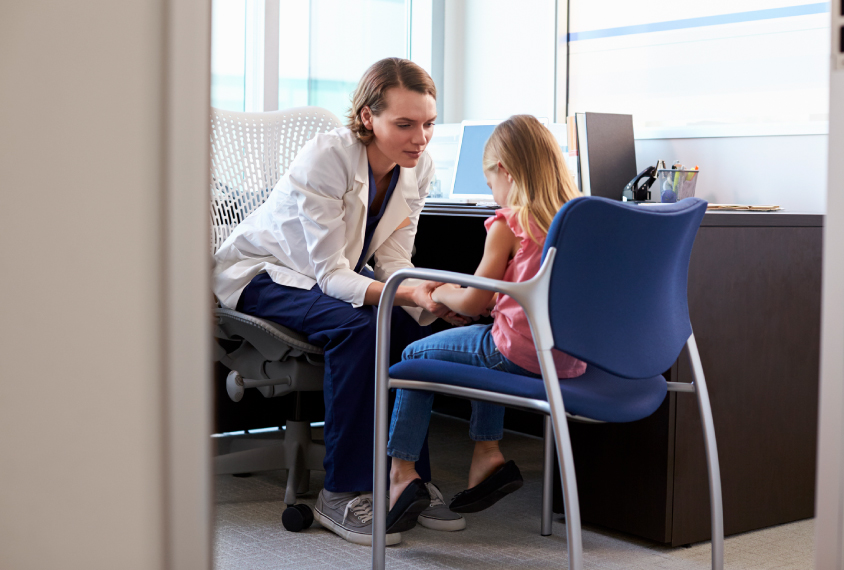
<point>754,300</point>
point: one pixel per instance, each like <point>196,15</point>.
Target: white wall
<point>83,132</point>
<point>499,59</point>
<point>789,171</point>
<point>454,62</point>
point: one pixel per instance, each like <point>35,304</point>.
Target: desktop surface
<point>712,217</point>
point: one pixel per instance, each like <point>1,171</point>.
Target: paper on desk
<point>745,207</point>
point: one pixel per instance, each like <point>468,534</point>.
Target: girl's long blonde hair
<point>541,180</point>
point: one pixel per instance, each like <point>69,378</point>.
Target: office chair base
<point>295,451</point>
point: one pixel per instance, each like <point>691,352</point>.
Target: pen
<point>692,173</point>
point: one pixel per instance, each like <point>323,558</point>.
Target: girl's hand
<point>457,319</point>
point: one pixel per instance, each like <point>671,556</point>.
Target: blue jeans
<point>472,345</point>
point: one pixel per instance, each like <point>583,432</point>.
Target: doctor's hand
<point>424,293</point>
<point>422,297</point>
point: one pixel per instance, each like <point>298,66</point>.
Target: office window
<point>324,46</point>
<point>228,54</point>
<point>691,69</point>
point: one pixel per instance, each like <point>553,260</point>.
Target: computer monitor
<point>607,152</point>
<point>469,182</point>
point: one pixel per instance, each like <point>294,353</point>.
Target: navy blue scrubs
<point>348,337</point>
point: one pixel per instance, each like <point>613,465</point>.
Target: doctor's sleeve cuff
<point>420,315</point>
<point>346,285</point>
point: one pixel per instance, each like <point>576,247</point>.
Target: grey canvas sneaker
<point>349,515</point>
<point>437,516</point>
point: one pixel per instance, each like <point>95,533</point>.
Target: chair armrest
<point>388,295</point>
<point>531,295</point>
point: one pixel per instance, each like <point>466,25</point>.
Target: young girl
<point>525,169</point>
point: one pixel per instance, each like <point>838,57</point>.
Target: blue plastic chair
<point>597,253</point>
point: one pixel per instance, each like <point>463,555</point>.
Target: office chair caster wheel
<point>298,517</point>
<point>234,386</point>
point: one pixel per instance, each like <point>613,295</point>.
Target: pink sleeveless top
<point>511,331</point>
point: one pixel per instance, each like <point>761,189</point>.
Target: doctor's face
<point>404,128</point>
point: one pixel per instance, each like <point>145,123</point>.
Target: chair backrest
<point>618,285</point>
<point>249,153</point>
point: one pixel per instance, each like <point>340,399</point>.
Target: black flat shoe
<point>502,482</point>
<point>412,501</point>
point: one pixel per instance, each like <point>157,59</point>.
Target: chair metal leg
<point>714,470</point>
<point>567,475</point>
<point>382,390</point>
<point>293,449</point>
<point>294,474</point>
<point>305,460</point>
<point>547,479</point>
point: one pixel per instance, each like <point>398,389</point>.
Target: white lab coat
<point>311,228</point>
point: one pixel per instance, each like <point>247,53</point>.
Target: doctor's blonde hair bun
<point>376,81</point>
<point>532,156</point>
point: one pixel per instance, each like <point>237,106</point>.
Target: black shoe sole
<point>487,501</point>
<point>410,504</point>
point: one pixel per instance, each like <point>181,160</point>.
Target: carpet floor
<point>249,534</point>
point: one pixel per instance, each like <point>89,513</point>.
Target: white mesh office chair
<point>249,154</point>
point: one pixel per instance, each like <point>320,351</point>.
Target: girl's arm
<point>492,302</point>
<point>501,244</point>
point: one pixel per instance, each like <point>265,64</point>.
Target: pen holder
<point>675,185</point>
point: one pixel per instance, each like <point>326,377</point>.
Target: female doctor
<point>300,260</point>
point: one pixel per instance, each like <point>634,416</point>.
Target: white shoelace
<point>361,507</point>
<point>436,496</point>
